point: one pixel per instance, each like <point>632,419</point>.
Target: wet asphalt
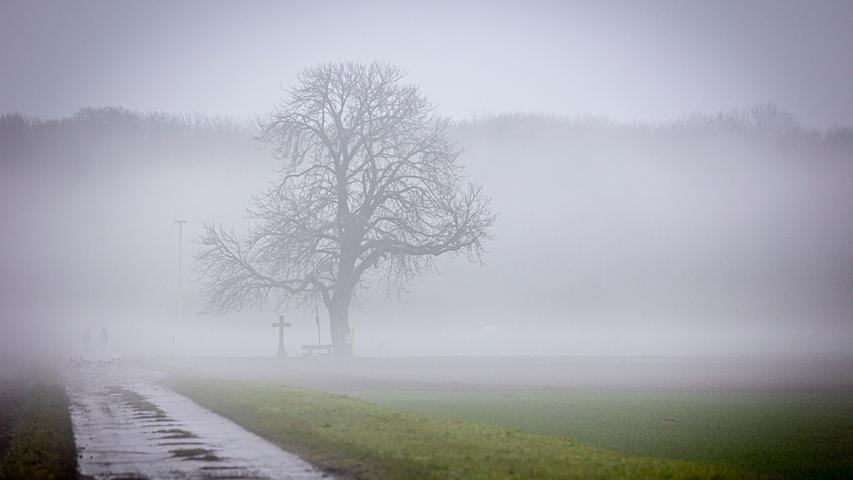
<point>126,426</point>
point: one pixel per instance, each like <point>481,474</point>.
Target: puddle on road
<point>128,427</point>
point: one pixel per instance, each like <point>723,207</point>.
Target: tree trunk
<point>340,329</point>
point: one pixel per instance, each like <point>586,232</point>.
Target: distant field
<point>784,434</point>
<point>365,440</point>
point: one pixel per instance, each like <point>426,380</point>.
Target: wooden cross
<point>281,324</point>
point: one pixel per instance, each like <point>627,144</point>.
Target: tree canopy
<point>370,186</point>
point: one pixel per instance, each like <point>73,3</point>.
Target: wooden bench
<point>316,350</point>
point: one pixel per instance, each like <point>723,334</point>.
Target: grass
<point>38,439</point>
<point>781,434</point>
<point>13,396</point>
<point>365,440</point>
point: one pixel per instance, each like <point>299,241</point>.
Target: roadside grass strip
<point>40,443</point>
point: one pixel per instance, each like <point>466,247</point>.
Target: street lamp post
<point>180,277</point>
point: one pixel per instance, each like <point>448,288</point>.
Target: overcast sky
<point>627,60</point>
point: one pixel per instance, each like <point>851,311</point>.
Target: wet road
<point>128,427</point>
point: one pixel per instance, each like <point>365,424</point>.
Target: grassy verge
<point>365,440</point>
<point>13,396</point>
<point>782,434</point>
<point>38,439</point>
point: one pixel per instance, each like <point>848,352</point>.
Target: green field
<point>36,439</point>
<point>366,440</point>
<point>783,434</point>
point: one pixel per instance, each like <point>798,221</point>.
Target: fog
<point>653,61</point>
<point>628,223</point>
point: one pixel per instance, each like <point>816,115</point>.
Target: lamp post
<point>180,277</point>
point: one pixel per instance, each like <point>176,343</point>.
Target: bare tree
<point>371,188</point>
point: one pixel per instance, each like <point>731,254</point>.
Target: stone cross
<point>281,324</point>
